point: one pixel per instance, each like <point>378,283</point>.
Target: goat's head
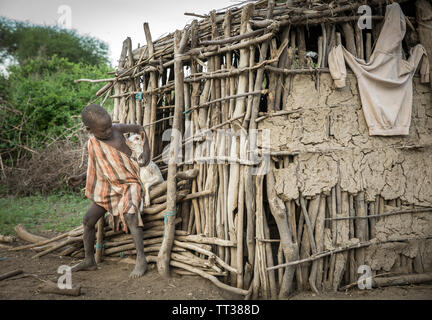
<point>135,142</point>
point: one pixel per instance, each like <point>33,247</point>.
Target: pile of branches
<point>46,169</point>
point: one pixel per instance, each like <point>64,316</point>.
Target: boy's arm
<point>125,128</point>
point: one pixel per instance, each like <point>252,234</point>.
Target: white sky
<point>114,20</point>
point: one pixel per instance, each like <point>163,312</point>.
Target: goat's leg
<point>147,195</point>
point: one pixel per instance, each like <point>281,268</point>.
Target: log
<point>8,239</point>
<point>385,214</point>
<point>402,280</point>
<point>342,237</point>
<point>239,227</point>
<point>359,42</point>
<point>51,287</point>
<point>349,38</point>
<point>153,85</point>
<point>301,46</point>
<point>310,235</point>
<point>269,260</point>
<point>368,46</point>
<point>319,236</point>
<point>27,236</point>
<point>10,274</point>
<point>360,226</point>
<point>278,210</point>
<point>58,246</point>
<point>75,232</point>
<point>207,240</point>
<point>207,253</point>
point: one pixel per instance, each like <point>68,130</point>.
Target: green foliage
<point>44,101</point>
<point>58,212</point>
<point>24,41</point>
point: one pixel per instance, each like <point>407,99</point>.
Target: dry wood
<point>341,238</point>
<point>155,211</point>
<point>319,237</point>
<point>75,232</point>
<point>368,46</point>
<point>402,280</point>
<point>385,214</point>
<point>269,260</point>
<point>69,240</point>
<point>10,274</point>
<point>99,240</point>
<point>27,236</point>
<point>310,234</point>
<point>360,225</point>
<point>349,37</point>
<point>239,227</point>
<point>8,239</point>
<point>359,41</point>
<point>204,275</point>
<point>152,85</point>
<point>301,46</point>
<point>51,287</point>
<point>277,208</point>
<point>206,240</point>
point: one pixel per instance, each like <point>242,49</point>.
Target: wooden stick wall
<point>238,67</point>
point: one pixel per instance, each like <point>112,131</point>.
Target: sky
<point>112,20</point>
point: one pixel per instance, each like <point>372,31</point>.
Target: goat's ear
<point>142,135</point>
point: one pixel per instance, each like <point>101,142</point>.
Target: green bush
<point>43,101</point>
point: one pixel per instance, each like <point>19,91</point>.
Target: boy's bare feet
<point>140,268</point>
<point>85,265</point>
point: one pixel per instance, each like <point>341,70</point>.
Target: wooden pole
<point>152,85</point>
<point>164,253</point>
<point>349,37</point>
<point>278,210</point>
<point>341,239</point>
<point>360,226</point>
<point>99,239</point>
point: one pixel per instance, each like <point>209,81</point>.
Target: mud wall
<point>330,142</point>
<point>329,145</point>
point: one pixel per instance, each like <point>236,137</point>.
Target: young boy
<point>112,183</point>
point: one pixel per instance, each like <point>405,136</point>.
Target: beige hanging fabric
<point>385,81</point>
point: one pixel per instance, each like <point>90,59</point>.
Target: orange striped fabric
<point>113,182</point>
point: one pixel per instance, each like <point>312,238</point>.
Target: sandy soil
<point>111,281</point>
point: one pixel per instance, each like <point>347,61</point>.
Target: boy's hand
<point>75,181</point>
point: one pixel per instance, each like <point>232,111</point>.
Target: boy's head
<point>97,121</point>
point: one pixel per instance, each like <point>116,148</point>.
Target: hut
<point>289,190</point>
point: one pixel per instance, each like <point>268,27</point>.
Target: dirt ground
<point>111,281</point>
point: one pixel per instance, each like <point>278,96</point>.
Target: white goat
<point>150,174</point>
